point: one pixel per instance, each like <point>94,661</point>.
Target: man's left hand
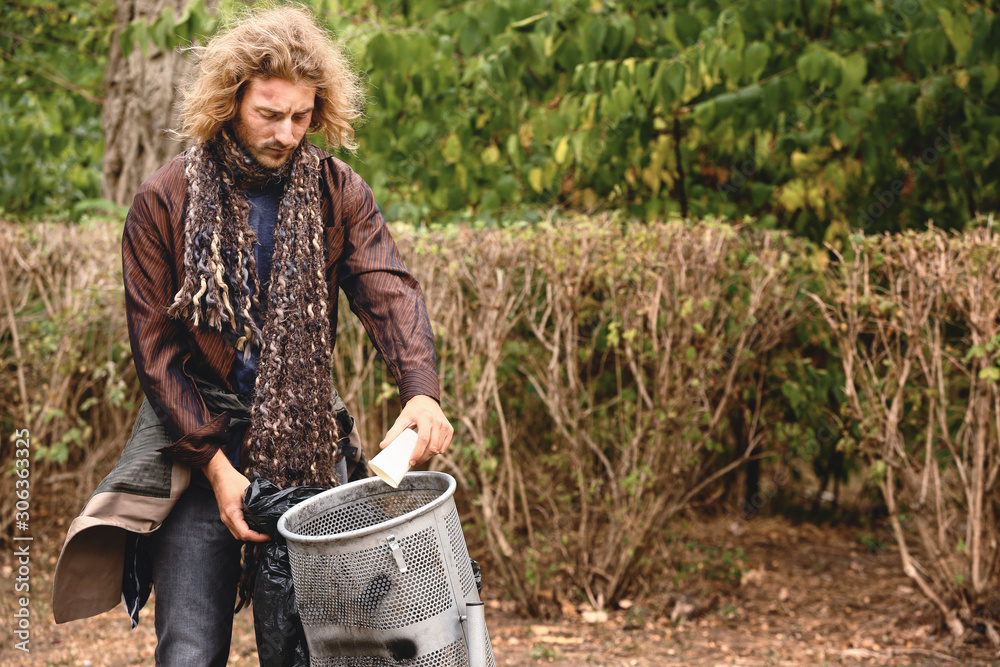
<point>434,432</point>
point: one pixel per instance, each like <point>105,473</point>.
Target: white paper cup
<point>393,462</point>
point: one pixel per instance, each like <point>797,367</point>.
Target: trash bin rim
<point>292,537</point>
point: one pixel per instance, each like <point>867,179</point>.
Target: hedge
<point>604,376</point>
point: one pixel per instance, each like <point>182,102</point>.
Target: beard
<point>269,154</point>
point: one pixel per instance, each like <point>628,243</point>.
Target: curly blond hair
<point>278,42</point>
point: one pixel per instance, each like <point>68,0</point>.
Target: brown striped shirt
<point>362,260</point>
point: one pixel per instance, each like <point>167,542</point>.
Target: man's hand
<point>229,485</point>
<point>434,432</point>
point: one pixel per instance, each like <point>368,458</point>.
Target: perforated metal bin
<point>382,576</point>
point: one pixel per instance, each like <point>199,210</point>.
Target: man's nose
<point>283,134</point>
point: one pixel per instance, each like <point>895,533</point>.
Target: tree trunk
<point>140,103</point>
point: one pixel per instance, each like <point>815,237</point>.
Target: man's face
<point>273,118</point>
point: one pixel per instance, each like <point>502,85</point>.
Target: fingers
<point>394,432</point>
<point>237,525</point>
<point>433,438</point>
<point>247,535</point>
<point>423,451</point>
<point>438,440</point>
<point>434,431</point>
<point>229,486</point>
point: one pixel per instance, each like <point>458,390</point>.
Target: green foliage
<point>860,115</point>
<point>851,115</point>
<point>52,56</point>
<point>803,400</point>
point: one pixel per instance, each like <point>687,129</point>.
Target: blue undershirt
<point>263,217</point>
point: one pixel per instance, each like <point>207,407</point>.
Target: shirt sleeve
<point>384,294</point>
<point>160,344</point>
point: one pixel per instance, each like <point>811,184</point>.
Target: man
<point>232,257</point>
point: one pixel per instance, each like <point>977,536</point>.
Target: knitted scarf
<point>293,434</point>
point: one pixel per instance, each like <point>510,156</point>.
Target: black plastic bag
<point>280,639</point>
<point>477,574</point>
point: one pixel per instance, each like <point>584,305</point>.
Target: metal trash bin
<point>382,576</point>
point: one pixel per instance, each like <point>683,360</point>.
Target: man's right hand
<point>229,485</point>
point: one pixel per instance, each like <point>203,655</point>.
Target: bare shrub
<point>917,318</point>
<point>589,367</point>
<point>647,336</point>
<point>63,338</point>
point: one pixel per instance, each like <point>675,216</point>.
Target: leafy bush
<point>817,117</point>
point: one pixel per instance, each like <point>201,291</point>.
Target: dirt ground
<point>763,593</point>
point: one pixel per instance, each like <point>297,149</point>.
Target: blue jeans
<point>196,568</point>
